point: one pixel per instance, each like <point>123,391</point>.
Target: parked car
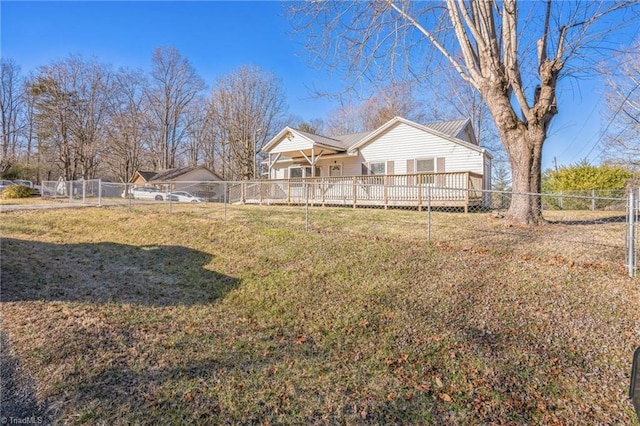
<point>148,193</point>
<point>185,197</point>
<point>24,182</point>
<point>5,184</point>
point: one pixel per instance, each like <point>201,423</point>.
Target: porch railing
<point>462,189</point>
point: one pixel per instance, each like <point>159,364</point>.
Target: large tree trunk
<point>523,142</point>
<point>524,145</point>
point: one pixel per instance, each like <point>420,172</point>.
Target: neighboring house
<point>443,155</point>
<point>193,179</point>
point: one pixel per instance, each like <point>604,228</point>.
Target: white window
<point>302,172</point>
<point>425,165</point>
<point>335,170</point>
<point>295,172</point>
<point>377,168</point>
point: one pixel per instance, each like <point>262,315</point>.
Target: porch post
<point>385,195</point>
<point>466,198</point>
<point>419,183</point>
<point>354,187</point>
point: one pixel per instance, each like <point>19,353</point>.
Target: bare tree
<point>197,123</point>
<point>512,53</point>
<point>127,131</point>
<point>623,110</point>
<point>393,100</point>
<point>246,107</point>
<point>314,125</point>
<point>71,102</point>
<point>174,84</point>
<point>10,112</point>
<point>345,120</point>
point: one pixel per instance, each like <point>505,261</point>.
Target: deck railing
<point>419,189</point>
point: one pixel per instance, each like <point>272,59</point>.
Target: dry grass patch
<point>143,317</point>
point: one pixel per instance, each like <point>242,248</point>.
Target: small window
<point>335,170</point>
<point>378,168</point>
<point>426,165</point>
<point>295,172</point>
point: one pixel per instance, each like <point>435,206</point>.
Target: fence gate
<point>633,231</point>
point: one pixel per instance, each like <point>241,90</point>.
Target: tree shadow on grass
<point>109,273</point>
<point>599,221</point>
<point>19,402</point>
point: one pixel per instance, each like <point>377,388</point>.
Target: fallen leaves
<point>445,397</point>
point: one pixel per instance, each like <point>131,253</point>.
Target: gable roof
<point>169,174</point>
<point>453,130</point>
<point>147,176</point>
<point>322,141</point>
<point>389,124</point>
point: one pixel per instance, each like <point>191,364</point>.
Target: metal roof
<point>451,128</point>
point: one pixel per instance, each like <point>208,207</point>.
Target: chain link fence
<point>589,229</point>
<point>78,191</point>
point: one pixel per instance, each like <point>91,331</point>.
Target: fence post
<point>224,200</point>
<point>306,214</point>
<point>428,214</point>
<point>170,201</point>
<point>100,192</point>
<point>419,188</point>
<point>631,238</point>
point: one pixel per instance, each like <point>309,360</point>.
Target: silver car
<point>186,197</point>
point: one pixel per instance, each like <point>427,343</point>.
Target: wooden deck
<point>455,189</point>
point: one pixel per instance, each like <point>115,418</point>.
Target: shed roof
<point>147,175</point>
<point>169,174</point>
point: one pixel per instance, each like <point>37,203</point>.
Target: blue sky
<point>218,37</point>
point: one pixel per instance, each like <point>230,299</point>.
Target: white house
<point>443,155</point>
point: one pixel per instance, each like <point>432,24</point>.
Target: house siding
<point>403,142</point>
<point>296,143</point>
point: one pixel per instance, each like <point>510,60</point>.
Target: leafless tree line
<point>79,118</point>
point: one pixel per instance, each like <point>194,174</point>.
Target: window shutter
<point>442,180</point>
<point>365,168</point>
<point>410,164</point>
<point>390,168</point>
<point>286,173</point>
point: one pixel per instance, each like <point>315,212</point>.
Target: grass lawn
<point>145,317</point>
